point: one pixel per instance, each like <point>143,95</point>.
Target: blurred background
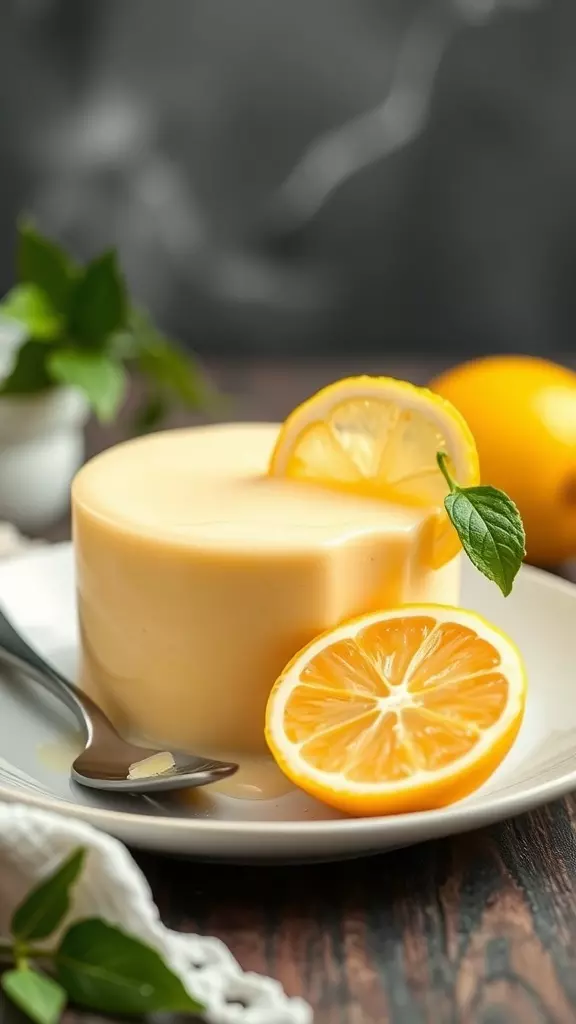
<point>343,176</point>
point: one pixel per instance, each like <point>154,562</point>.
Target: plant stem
<point>441,459</point>
<point>15,952</point>
<point>33,953</point>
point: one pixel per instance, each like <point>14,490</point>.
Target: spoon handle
<point>14,648</point>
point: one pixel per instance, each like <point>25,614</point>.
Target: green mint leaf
<point>151,414</point>
<point>99,304</point>
<point>123,346</point>
<point>40,998</point>
<point>102,379</point>
<point>489,527</point>
<point>46,906</point>
<point>169,367</point>
<point>45,264</point>
<point>29,306</point>
<point>175,371</point>
<point>106,970</point>
<point>29,373</point>
<point>491,532</point>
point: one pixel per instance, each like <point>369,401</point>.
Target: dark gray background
<point>168,127</point>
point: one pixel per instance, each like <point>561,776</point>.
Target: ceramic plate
<point>38,738</point>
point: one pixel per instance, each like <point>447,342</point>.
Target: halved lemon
<point>396,711</point>
<point>379,436</point>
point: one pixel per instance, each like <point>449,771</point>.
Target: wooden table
<point>477,929</point>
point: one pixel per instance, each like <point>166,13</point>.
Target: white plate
<point>37,733</point>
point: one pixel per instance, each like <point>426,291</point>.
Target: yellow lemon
<point>398,711</point>
<point>522,412</point>
<point>379,436</point>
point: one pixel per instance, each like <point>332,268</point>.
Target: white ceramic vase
<point>41,447</point>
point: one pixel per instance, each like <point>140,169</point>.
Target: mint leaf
<point>167,365</point>
<point>151,414</point>
<point>123,345</point>
<point>44,264</point>
<point>47,905</point>
<point>176,372</point>
<point>41,998</point>
<point>102,380</point>
<point>99,302</point>
<point>31,307</point>
<point>489,526</point>
<point>491,531</point>
<point>29,373</point>
<point>106,970</point>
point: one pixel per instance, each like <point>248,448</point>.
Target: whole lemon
<point>522,412</point>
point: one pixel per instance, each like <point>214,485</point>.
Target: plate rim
<point>471,817</point>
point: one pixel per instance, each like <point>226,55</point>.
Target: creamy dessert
<point>199,577</point>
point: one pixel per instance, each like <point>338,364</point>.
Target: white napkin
<point>12,542</point>
<point>32,844</point>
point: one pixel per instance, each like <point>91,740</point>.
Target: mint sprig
<point>94,964</point>
<point>489,527</point>
<point>77,327</point>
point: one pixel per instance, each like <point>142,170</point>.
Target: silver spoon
<point>109,762</point>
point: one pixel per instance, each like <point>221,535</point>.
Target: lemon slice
<point>377,436</point>
<point>397,711</point>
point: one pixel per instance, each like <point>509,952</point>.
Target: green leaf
<point>41,998</point>
<point>102,379</point>
<point>46,906</point>
<point>44,264</point>
<point>123,345</point>
<point>151,414</point>
<point>99,302</point>
<point>167,365</point>
<point>490,529</point>
<point>29,373</point>
<point>175,371</point>
<point>31,307</point>
<point>106,970</point>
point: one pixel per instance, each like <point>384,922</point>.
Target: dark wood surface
<point>477,929</point>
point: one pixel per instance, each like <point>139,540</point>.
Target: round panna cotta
<point>199,577</point>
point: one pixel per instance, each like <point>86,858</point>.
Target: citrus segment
<point>379,437</point>
<point>312,711</point>
<point>396,711</point>
<point>452,652</point>
<point>345,665</point>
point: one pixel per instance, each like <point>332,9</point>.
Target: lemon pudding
<point>199,575</point>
